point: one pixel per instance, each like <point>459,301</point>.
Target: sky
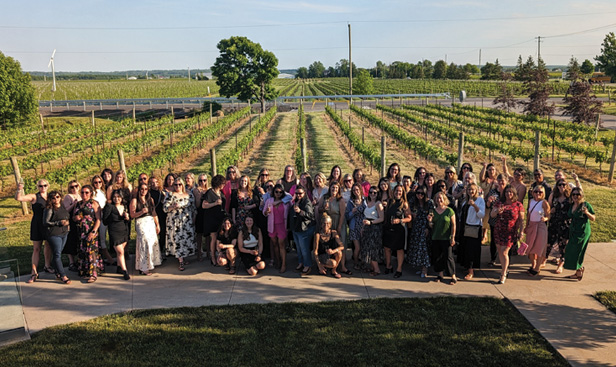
<point>110,35</point>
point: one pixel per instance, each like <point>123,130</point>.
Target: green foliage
<point>608,299</point>
<point>17,101</point>
<point>215,106</point>
<point>587,67</point>
<point>538,90</point>
<point>573,69</point>
<point>244,69</point>
<point>492,71</point>
<point>607,60</point>
<point>301,134</point>
<point>440,70</point>
<point>363,84</point>
<point>371,155</point>
<point>316,70</point>
<point>302,73</point>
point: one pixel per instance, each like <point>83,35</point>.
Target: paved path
<point>562,309</point>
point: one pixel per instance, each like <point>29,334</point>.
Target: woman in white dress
<point>147,252</point>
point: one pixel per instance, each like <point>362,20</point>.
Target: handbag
<point>522,248</point>
<point>472,231</point>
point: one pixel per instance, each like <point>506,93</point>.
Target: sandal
<point>65,280</point>
<point>145,273</point>
<point>92,279</point>
<point>389,270</point>
<point>439,279</point>
<point>336,275</point>
<point>579,278</point>
<point>468,276</point>
<point>181,267</point>
<point>397,274</point>
<point>33,278</point>
<point>454,281</point>
<point>232,270</point>
<point>347,272</point>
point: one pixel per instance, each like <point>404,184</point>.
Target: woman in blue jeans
<point>302,223</point>
<point>55,219</point>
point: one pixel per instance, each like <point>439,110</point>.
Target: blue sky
<point>108,35</point>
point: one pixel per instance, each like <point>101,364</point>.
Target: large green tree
<point>17,101</point>
<point>580,102</point>
<point>244,69</point>
<point>316,70</point>
<point>587,67</point>
<point>440,70</point>
<point>363,83</point>
<point>607,60</point>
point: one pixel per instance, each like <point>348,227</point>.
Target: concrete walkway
<point>562,309</point>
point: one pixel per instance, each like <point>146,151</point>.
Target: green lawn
<point>608,299</point>
<point>379,332</point>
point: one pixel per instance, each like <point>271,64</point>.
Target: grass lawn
<point>440,331</point>
<point>608,299</point>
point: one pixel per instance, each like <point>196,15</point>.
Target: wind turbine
<point>53,71</point>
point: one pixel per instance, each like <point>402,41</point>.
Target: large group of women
<point>427,220</point>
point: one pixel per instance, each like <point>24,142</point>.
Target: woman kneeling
<point>226,242</point>
<point>250,244</point>
<point>327,247</point>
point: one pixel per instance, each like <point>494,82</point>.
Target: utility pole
<point>479,66</point>
<point>538,47</point>
<point>350,65</point>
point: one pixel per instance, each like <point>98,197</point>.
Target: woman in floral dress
<point>87,215</point>
<point>558,228</point>
<point>509,214</point>
<point>242,203</point>
<point>180,208</point>
<point>354,214</point>
<point>418,253</point>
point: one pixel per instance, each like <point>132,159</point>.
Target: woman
<point>233,180</point>
<point>189,178</point>
<point>87,214</point>
<point>487,182</point>
<point>509,215</point>
<point>443,223</point>
<point>276,211</point>
<point>454,186</point>
<point>335,207</point>
<point>347,184</point>
<point>242,203</point>
<point>320,188</point>
<point>305,180</point>
<point>581,212</point>
<point>429,184</point>
<point>288,178</point>
<point>328,248</point>
<point>360,178</point>
<point>558,227</point>
<point>384,191</point>
<point>117,219</point>
<point>393,175</point>
<point>418,252</point>
<point>494,195</point>
<point>158,196</point>
<point>471,215</point>
<point>466,168</point>
<point>199,193</point>
<point>55,219</point>
<point>397,215</point>
<point>180,207</point>
<point>107,176</point>
<point>226,246</point>
<point>354,214</point>
<point>258,191</point>
<point>37,230</point>
<point>72,241</point>
<point>301,224</point>
<point>213,205</point>
<point>407,184</point>
<point>371,242</point>
<point>517,180</point>
<point>101,198</point>
<point>537,230</point>
<point>147,226</point>
<point>120,182</point>
<point>419,178</point>
<point>250,246</point>
<point>441,186</point>
<point>335,175</point>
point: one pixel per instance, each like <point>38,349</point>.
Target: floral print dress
<point>418,253</point>
<point>89,263</point>
<point>240,204</point>
<point>180,228</point>
<point>558,229</point>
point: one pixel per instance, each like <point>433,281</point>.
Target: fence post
<point>460,151</point>
<point>84,106</point>
<point>597,125</point>
<point>383,151</point>
<point>302,144</point>
<point>611,174</point>
<point>363,135</point>
<point>24,205</point>
<point>210,112</point>
<point>93,125</point>
<point>537,146</point>
<point>42,122</point>
<point>121,160</point>
<point>134,113</point>
<point>213,161</point>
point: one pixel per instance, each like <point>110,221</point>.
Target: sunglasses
<point>95,182</point>
<point>466,167</point>
<point>537,192</point>
<point>348,180</point>
<point>277,192</point>
<point>576,194</point>
<point>202,180</point>
<point>373,193</point>
<point>442,186</point>
<point>143,178</point>
<point>56,197</point>
<point>72,186</point>
<point>562,185</point>
<point>420,193</point>
<point>43,185</point>
<point>449,173</point>
<point>269,187</point>
<point>265,174</point>
<point>299,193</point>
<point>85,192</point>
<point>178,185</point>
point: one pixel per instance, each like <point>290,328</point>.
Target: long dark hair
<point>50,196</point>
<point>255,228</point>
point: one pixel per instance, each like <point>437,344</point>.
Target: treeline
<point>115,75</point>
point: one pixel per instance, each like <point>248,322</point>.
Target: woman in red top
<point>509,214</point>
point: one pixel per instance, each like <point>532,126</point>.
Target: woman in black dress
<point>328,247</point>
<point>226,246</point>
<point>72,242</point>
<point>213,204</point>
<point>37,230</point>
<point>397,214</point>
<point>117,219</point>
<point>199,193</point>
<point>250,246</point>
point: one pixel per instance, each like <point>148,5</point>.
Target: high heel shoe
<point>126,276</point>
<point>33,278</point>
<point>502,279</point>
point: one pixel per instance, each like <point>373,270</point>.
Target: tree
<point>316,70</point>
<point>587,67</point>
<point>538,91</point>
<point>523,70</point>
<point>492,71</point>
<point>573,69</point>
<point>452,71</point>
<point>244,69</point>
<point>302,73</point>
<point>580,103</point>
<point>427,68</point>
<point>505,99</point>
<point>440,70</point>
<point>363,84</point>
<point>342,68</point>
<point>17,101</point>
<point>381,70</point>
<point>471,69</point>
<point>607,60</point>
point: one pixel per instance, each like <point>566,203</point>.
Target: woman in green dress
<point>579,233</point>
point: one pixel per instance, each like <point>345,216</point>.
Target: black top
<point>213,216</point>
<point>52,218</point>
<point>300,222</point>
<point>331,244</point>
<point>227,237</point>
<point>117,226</point>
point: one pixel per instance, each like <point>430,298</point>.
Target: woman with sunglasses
<point>397,215</point>
<point>466,168</point>
<point>517,180</point>
<point>87,214</point>
<point>558,227</point>
<point>347,184</point>
<point>276,211</point>
<point>69,202</point>
<point>581,214</point>
<point>360,178</point>
<point>302,224</point>
<point>354,214</point>
<point>180,228</point>
<point>213,204</point>
<point>334,205</point>
<point>508,214</point>
<point>199,193</point>
<point>472,211</point>
<point>57,224</point>
<point>537,230</point>
<point>371,242</point>
<point>101,198</point>
<point>328,249</point>
<point>418,254</point>
<point>37,230</point>
<point>147,252</point>
<point>117,219</point>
